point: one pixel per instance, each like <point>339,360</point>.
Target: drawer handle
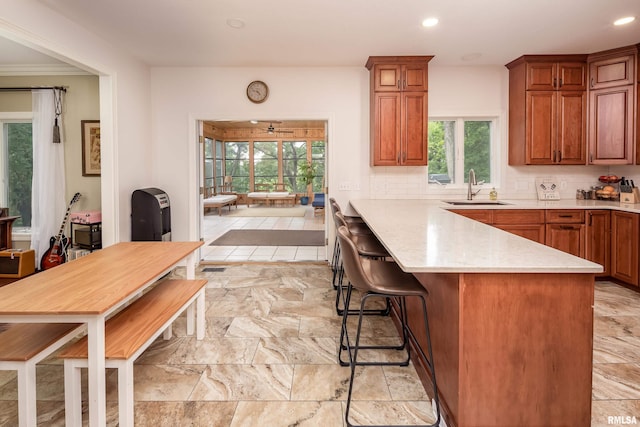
<point>565,216</point>
<point>567,227</point>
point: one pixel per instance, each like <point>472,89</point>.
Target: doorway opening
<point>263,175</point>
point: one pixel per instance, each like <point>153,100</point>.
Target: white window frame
<point>460,174</point>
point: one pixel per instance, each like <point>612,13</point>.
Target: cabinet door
<point>542,75</point>
<point>386,129</point>
<point>415,129</point>
<point>611,126</point>
<point>624,246</point>
<point>571,127</point>
<point>598,240</point>
<point>387,77</point>
<point>556,76</point>
<point>415,77</point>
<point>566,237</point>
<point>540,127</point>
<point>610,72</point>
<point>572,76</point>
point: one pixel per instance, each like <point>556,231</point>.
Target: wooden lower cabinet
<point>624,246</point>
<point>527,223</point>
<point>489,372</point>
<point>598,239</point>
<point>565,231</point>
<point>481,215</point>
<point>566,237</point>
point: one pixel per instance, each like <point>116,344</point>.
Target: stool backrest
<point>352,261</point>
<point>338,218</point>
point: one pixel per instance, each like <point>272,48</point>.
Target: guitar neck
<point>66,217</point>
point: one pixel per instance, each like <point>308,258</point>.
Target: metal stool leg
<point>344,337</point>
<point>353,354</point>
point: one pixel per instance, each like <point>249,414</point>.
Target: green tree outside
<point>20,171</point>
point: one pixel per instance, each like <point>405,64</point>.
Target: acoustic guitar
<point>57,252</point>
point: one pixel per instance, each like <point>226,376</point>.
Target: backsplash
<point>514,183</point>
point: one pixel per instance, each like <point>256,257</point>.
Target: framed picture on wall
<point>90,147</point>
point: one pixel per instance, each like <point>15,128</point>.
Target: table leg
<point>96,373</point>
<point>191,266</point>
<point>200,319</point>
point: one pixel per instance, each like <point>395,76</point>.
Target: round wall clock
<point>257,91</point>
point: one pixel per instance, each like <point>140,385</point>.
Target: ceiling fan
<point>271,130</point>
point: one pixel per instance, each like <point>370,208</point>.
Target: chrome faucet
<point>472,182</point>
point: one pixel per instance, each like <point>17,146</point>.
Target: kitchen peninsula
<point>511,320</point>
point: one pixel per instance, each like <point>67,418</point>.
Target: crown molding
<point>40,70</point>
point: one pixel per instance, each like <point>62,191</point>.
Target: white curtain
<point>48,190</point>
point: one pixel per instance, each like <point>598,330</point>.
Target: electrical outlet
<point>563,185</point>
<point>343,186</point>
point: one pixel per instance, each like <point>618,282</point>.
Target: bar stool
<point>367,245</point>
<point>375,278</point>
<point>359,227</point>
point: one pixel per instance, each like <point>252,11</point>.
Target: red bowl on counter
<point>609,179</point>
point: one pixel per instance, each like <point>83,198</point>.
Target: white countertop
<point>422,236</point>
<point>552,204</point>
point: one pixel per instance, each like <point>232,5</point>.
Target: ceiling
<point>284,33</point>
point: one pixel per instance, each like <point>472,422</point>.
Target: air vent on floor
<point>213,269</point>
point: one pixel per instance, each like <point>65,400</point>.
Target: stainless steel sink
<point>475,202</point>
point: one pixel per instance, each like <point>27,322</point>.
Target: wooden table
<point>88,290</point>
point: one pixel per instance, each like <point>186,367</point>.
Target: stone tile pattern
<point>269,359</point>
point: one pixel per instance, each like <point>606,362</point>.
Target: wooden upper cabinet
<point>399,110</point>
<point>611,126</point>
<point>556,76</point>
<point>548,110</point>
<point>400,77</point>
<point>612,107</point>
<point>611,71</point>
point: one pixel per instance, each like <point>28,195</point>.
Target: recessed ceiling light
<point>235,23</point>
<point>430,22</point>
<point>625,20</point>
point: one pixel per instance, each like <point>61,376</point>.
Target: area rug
<point>270,238</point>
<point>276,211</point>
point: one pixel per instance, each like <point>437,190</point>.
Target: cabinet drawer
<point>565,216</point>
<point>518,216</point>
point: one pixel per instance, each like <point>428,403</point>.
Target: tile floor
<point>269,359</point>
<point>215,225</point>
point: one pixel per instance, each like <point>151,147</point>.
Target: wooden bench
<point>22,346</point>
<point>127,335</point>
<point>271,198</point>
<point>219,201</point>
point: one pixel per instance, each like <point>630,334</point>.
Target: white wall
<point>183,95</point>
<point>180,96</point>
<point>124,101</point>
<point>81,102</point>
